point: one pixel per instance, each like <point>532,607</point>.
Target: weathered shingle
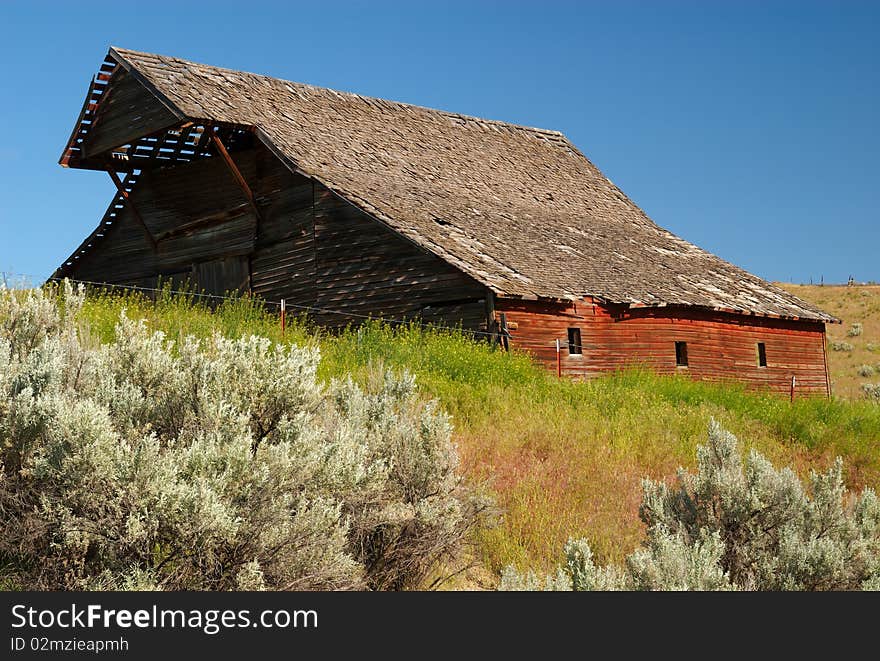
<point>519,209</point>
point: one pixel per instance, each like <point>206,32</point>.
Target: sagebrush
<point>212,464</point>
<point>737,525</point>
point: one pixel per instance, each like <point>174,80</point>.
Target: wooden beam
<point>125,196</point>
<point>213,219</point>
<point>221,149</point>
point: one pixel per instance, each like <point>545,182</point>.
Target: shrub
<point>855,330</point>
<point>872,391</point>
<point>866,370</point>
<point>421,512</point>
<point>211,464</point>
<point>872,347</point>
<point>736,525</point>
<point>578,573</point>
<point>841,346</point>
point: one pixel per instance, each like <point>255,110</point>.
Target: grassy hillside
<point>563,458</point>
<point>853,357</point>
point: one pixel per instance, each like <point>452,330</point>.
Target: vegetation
<point>735,526</point>
<point>214,463</point>
<point>561,458</point>
<point>858,308</point>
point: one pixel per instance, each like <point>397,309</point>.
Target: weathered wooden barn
<point>359,206</point>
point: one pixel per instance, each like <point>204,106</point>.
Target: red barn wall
<point>720,346</point>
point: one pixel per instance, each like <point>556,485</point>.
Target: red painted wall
<point>719,345</point>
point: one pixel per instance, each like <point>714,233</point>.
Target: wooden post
<point>283,320</point>
<point>793,384</point>
<point>134,212</point>
<point>825,364</point>
<point>239,178</point>
<point>558,360</point>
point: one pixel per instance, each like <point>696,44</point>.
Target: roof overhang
<point>591,298</point>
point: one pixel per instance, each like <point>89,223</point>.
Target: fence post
<point>558,360</point>
<point>505,344</point>
<point>283,321</point>
<point>793,383</point>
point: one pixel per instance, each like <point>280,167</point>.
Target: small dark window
<point>762,355</point>
<point>681,354</point>
<point>574,342</point>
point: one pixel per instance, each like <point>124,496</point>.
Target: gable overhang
<point>75,151</point>
<point>170,137</point>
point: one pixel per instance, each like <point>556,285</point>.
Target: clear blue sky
<point>748,128</point>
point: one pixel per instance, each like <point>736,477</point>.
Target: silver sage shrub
<point>213,464</point>
<point>741,525</point>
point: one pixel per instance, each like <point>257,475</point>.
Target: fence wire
<point>304,308</point>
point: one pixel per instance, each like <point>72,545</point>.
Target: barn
<point>352,207</point>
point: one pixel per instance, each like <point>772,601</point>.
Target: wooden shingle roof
<point>519,209</point>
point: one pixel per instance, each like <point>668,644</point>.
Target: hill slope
<point>562,458</point>
<point>853,359</point>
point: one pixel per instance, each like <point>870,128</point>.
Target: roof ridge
<point>446,113</point>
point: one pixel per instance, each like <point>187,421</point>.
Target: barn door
<point>223,275</point>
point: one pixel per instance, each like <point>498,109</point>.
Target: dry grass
<point>573,467</point>
<point>858,304</point>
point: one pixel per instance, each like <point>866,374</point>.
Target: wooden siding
<point>309,246</point>
<point>719,346</point>
<point>124,255</point>
<point>129,111</point>
<point>224,274</point>
<point>364,268</point>
<point>195,213</point>
<point>283,264</point>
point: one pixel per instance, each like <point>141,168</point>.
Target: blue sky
<point>748,128</point>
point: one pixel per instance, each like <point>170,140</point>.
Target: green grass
<point>562,457</point>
